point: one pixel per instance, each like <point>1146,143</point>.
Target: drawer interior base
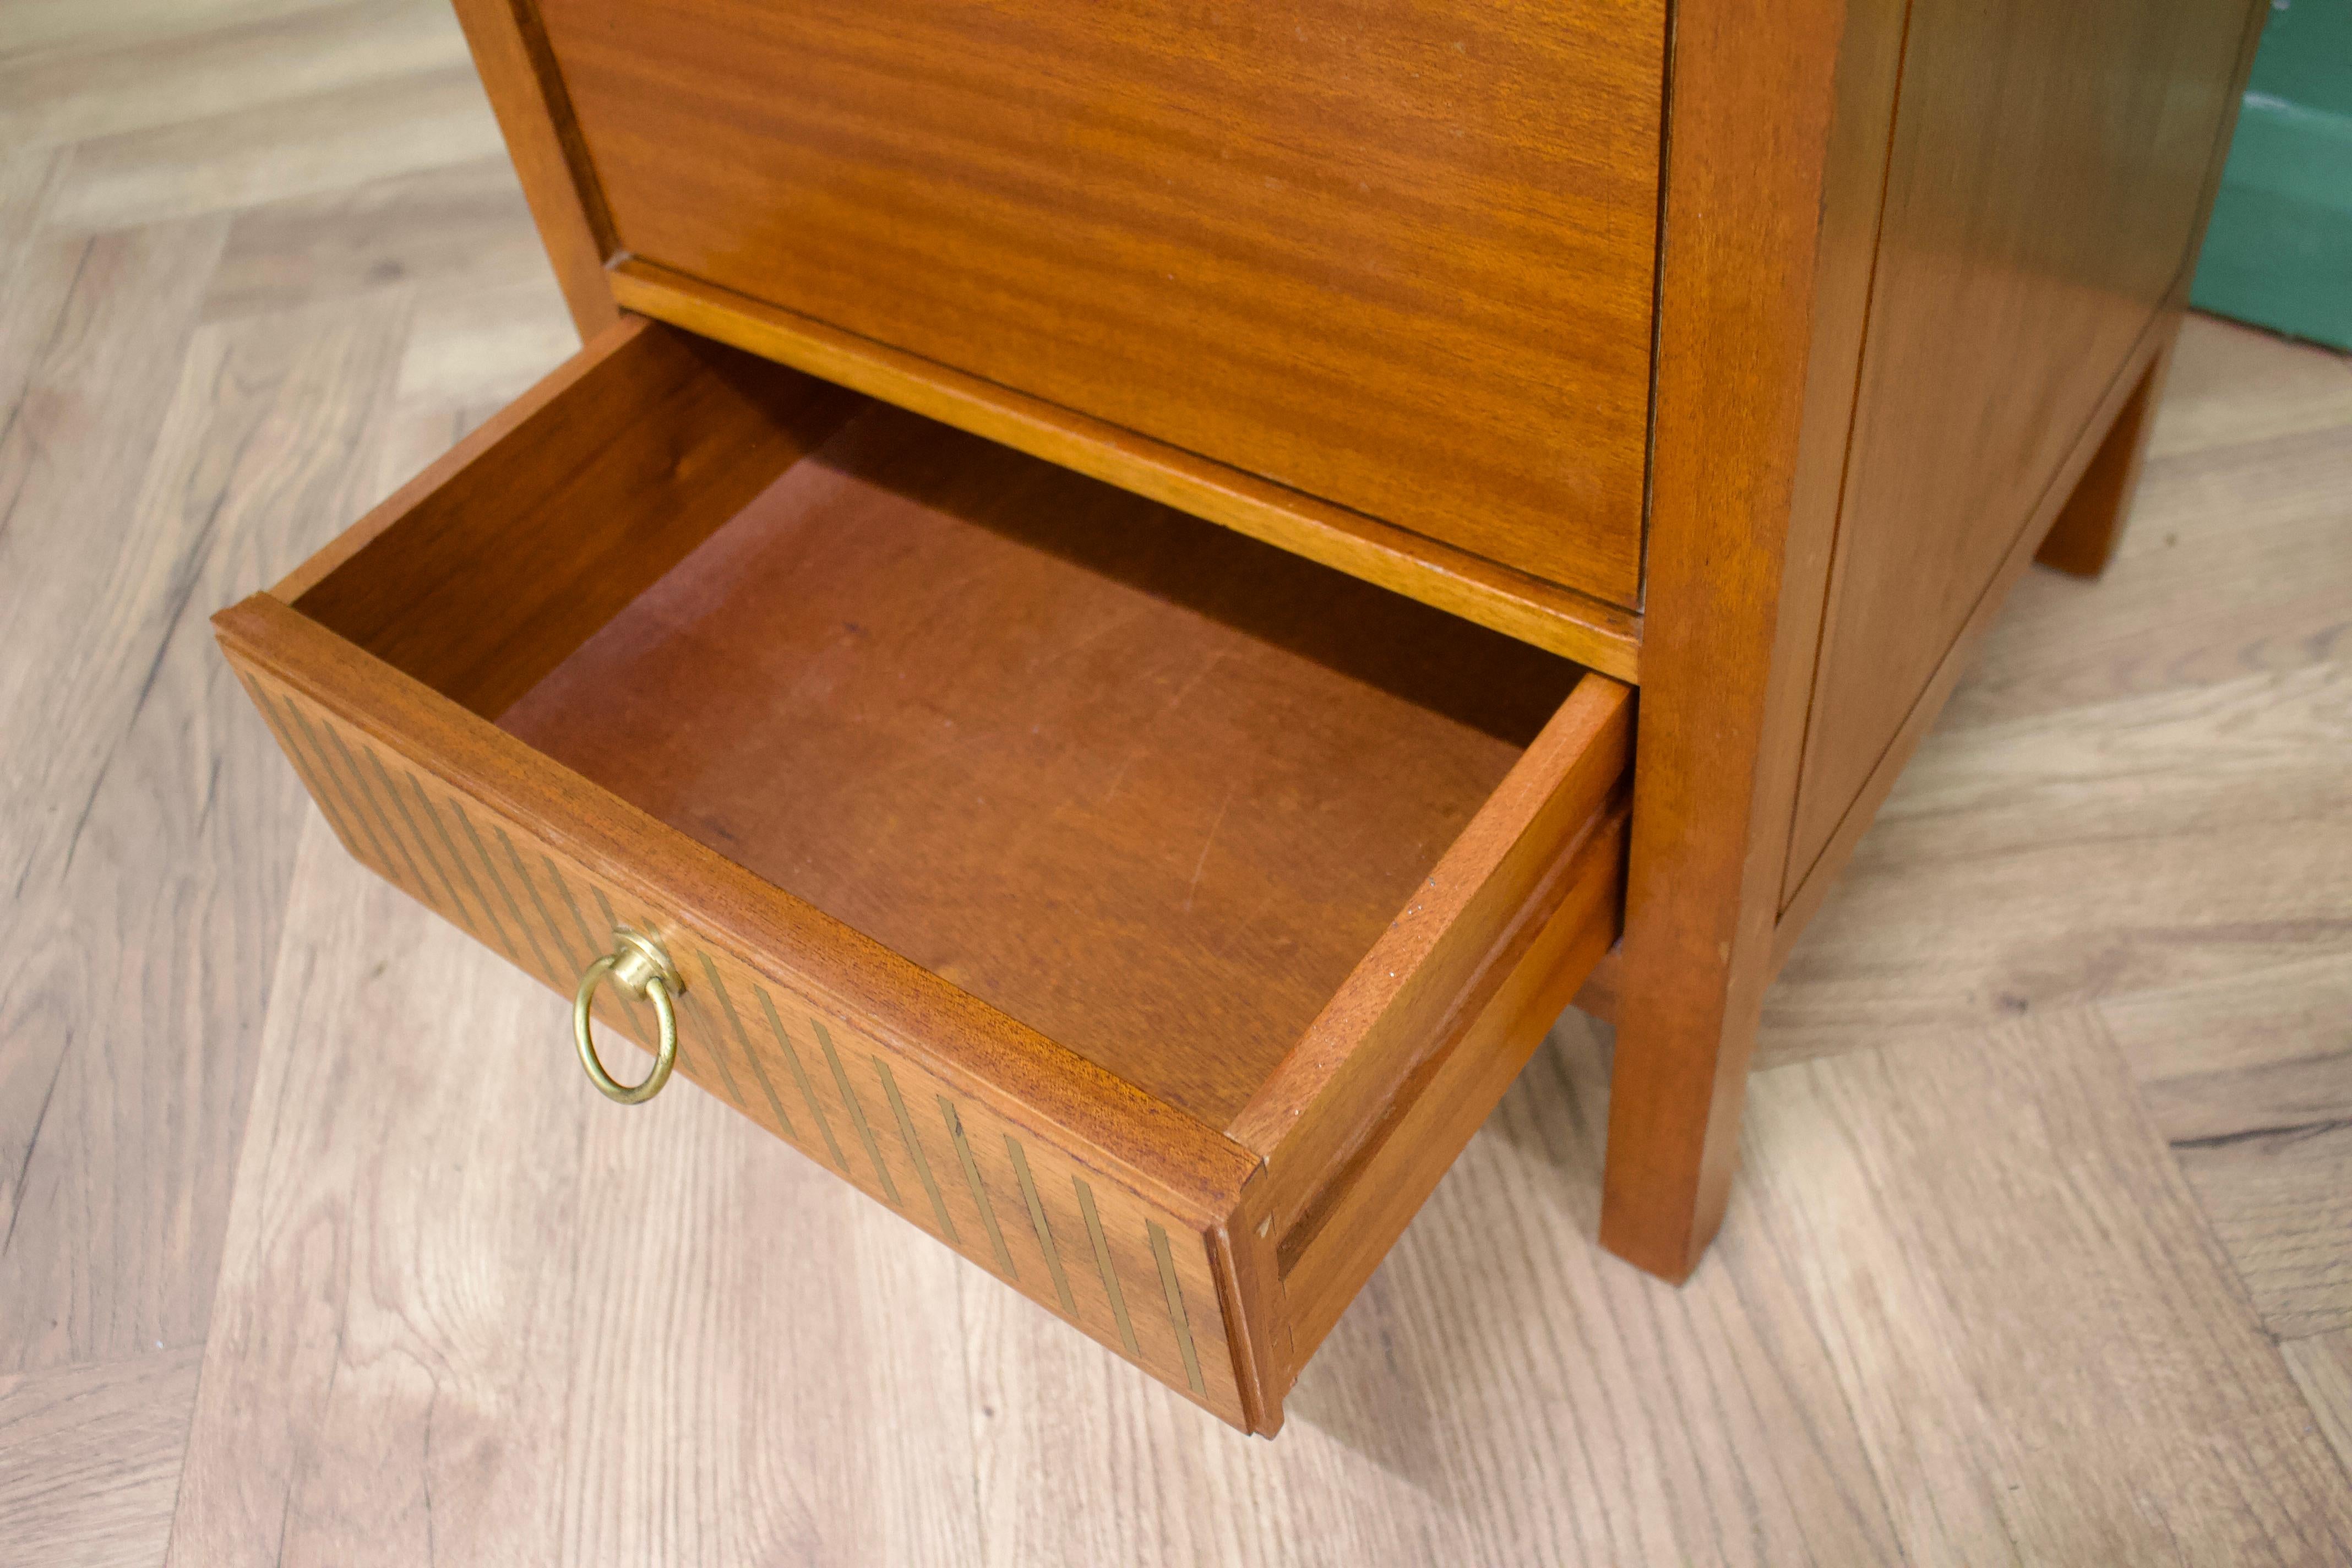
<point>1146,786</point>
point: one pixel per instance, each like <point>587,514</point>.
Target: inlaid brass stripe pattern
<point>304,772</point>
<point>735,1022</point>
<point>375,806</point>
<point>459,857</point>
<point>1103,1263</point>
<point>1178,1319</point>
<point>473,884</point>
<point>567,966</point>
<point>971,1177</point>
<point>695,1003</point>
<point>490,869</point>
<point>856,1113</point>
<point>915,1154</point>
<point>342,794</point>
<point>800,1076</point>
<point>423,844</point>
<point>311,768</point>
<point>1044,1227</point>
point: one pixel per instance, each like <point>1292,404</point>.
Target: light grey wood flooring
<point>316,1249</point>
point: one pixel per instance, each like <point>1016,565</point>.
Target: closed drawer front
<point>690,642</point>
<point>1396,257</point>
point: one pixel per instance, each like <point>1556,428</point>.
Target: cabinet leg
<point>1677,1087</point>
<point>2083,538</point>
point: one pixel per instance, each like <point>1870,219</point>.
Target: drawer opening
<point>1292,859</point>
<point>1146,786</point>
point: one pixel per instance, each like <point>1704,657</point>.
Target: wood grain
<point>152,844</point>
<point>484,572</point>
<point>33,26</point>
<point>1014,706</point>
<point>1396,256</point>
<point>2236,561</point>
<point>2046,186</point>
<point>271,152</point>
<point>2322,1366</point>
<point>409,806</point>
<point>2268,1150</point>
<point>1852,1376</point>
<point>448,1243</point>
<point>534,112</point>
<point>1348,1226</point>
<point>102,89</point>
<point>1767,254</point>
<point>2135,796</point>
<point>1604,636</point>
<point>1975,1355</point>
<point>449,233</point>
<point>1434,970</point>
<point>2132,849</point>
<point>1501,1392</point>
<point>444,582</point>
<point>1806,892</point>
<point>90,1459</point>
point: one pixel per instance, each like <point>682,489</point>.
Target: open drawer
<point>1150,915</point>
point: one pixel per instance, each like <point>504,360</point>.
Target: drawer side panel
<point>1132,1274</point>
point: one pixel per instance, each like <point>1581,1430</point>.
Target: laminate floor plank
<point>302,146</point>
<point>2148,843</point>
<point>2233,558</point>
<point>2231,383</point>
<point>151,837</point>
<point>471,1312</point>
<point>27,27</point>
<point>2279,1187</point>
<point>1079,1461</point>
<point>81,335</point>
<point>2251,1019</point>
<point>2240,564</point>
<point>27,174</point>
<point>2046,1355</point>
<point>1947,1278</point>
<point>2322,1365</point>
<point>2249,1074</point>
<point>148,81</point>
<point>1574,1411</point>
<point>460,230</point>
<point>89,1460</point>
<point>2108,710</point>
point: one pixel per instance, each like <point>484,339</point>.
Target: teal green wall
<point>2279,253</point>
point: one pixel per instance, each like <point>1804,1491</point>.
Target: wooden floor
<point>318,1250</point>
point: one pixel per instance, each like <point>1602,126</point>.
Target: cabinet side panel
<point>2048,180</point>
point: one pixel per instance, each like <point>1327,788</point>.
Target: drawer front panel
<point>1137,1276</point>
<point>1398,257</point>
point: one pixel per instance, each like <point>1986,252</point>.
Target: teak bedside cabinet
<point>1125,600</point>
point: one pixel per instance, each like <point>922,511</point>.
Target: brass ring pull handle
<point>640,966</point>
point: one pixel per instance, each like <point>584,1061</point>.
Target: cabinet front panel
<point>1397,257</point>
